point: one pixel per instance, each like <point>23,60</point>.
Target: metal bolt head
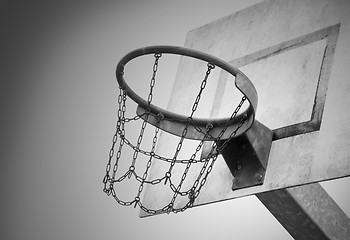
<point>259,177</point>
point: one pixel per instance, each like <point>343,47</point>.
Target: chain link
<point>193,191</point>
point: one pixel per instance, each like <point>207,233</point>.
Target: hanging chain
<point>153,79</point>
<point>193,191</point>
<point>184,132</point>
<point>119,126</point>
<point>204,83</point>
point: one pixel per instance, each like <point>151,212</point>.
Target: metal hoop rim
<point>242,82</point>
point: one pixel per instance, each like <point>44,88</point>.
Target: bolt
<point>239,166</point>
<point>259,177</point>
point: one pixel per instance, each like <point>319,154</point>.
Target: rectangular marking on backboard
<point>329,34</point>
<point>288,45</point>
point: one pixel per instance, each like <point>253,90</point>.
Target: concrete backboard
<point>296,54</point>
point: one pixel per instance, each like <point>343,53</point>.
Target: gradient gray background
<point>58,108</point>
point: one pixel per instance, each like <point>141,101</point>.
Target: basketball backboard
<point>297,56</point>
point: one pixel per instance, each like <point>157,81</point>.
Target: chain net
<point>114,175</point>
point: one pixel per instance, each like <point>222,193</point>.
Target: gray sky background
<point>58,103</point>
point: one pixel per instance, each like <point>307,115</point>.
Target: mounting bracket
<point>247,156</point>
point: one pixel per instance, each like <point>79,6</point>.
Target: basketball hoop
<point>218,132</point>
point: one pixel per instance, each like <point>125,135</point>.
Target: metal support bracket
<point>247,156</point>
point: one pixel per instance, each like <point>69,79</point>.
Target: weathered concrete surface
<point>296,53</point>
